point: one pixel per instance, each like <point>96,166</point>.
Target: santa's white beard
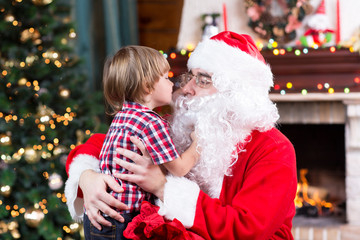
<point>220,125</point>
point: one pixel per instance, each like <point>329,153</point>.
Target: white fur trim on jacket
<point>79,164</point>
<point>180,198</point>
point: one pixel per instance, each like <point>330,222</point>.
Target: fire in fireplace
<point>320,153</point>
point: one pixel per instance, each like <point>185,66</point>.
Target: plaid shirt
<point>143,123</point>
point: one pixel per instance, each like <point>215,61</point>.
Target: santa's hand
<point>139,159</point>
<point>146,175</point>
<point>97,199</point>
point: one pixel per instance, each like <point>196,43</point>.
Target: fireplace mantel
<point>305,71</point>
<point>316,97</point>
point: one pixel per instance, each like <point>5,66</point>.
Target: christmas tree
<point>46,109</point>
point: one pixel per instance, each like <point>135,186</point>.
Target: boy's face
<point>162,91</point>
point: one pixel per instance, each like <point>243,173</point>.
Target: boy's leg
<point>113,232</point>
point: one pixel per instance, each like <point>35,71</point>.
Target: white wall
<point>191,23</point>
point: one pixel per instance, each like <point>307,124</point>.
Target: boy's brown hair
<point>131,74</point>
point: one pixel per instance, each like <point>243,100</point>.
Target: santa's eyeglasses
<point>202,80</point>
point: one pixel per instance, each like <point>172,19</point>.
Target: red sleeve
<point>91,147</point>
<point>258,204</point>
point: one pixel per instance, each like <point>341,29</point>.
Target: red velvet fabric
<point>242,41</point>
<point>150,225</point>
<point>91,147</point>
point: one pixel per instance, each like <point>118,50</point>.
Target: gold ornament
<point>55,181</point>
<point>64,93</point>
<point>30,33</point>
<point>5,139</point>
<point>7,159</point>
<point>44,113</point>
<point>5,190</point>
<point>31,59</point>
<point>33,217</point>
<point>50,54</point>
<point>41,2</point>
<point>22,81</point>
<point>15,157</point>
<point>9,18</point>
<point>31,156</point>
<point>3,227</point>
<point>13,229</point>
<point>59,150</point>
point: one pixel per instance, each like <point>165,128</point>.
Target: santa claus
<point>244,185</point>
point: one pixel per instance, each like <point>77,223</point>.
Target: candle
<point>225,17</point>
<point>337,21</point>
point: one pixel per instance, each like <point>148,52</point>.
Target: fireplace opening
<point>320,156</point>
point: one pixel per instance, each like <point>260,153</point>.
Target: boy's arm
<point>183,164</point>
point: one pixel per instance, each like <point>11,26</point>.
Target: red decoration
<point>150,225</point>
<point>225,17</point>
<point>337,21</point>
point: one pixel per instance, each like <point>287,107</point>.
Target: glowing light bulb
<point>172,55</point>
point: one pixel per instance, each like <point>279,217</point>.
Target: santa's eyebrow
<point>200,73</point>
<point>204,75</point>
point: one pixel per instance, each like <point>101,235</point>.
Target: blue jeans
<point>113,232</point>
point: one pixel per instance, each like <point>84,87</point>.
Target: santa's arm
<point>83,157</point>
<point>257,210</point>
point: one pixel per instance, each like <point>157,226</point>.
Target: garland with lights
<point>280,27</point>
<point>352,85</point>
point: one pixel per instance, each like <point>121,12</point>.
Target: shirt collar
<point>138,106</point>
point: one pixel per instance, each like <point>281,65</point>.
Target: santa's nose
<point>189,88</point>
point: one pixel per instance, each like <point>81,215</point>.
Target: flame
<point>303,197</point>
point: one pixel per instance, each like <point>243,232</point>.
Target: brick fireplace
<point>330,109</point>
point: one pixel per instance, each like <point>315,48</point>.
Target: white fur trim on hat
<point>81,163</point>
<point>180,198</point>
<point>232,68</point>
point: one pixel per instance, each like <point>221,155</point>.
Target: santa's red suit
<point>256,202</point>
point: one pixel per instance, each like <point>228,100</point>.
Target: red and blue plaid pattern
<point>143,123</point>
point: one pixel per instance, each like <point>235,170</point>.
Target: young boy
<point>136,81</point>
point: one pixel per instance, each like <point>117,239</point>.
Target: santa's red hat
<point>234,60</point>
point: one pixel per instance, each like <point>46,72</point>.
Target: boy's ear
<point>147,88</point>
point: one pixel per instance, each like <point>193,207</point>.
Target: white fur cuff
<point>180,198</point>
<point>80,163</point>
